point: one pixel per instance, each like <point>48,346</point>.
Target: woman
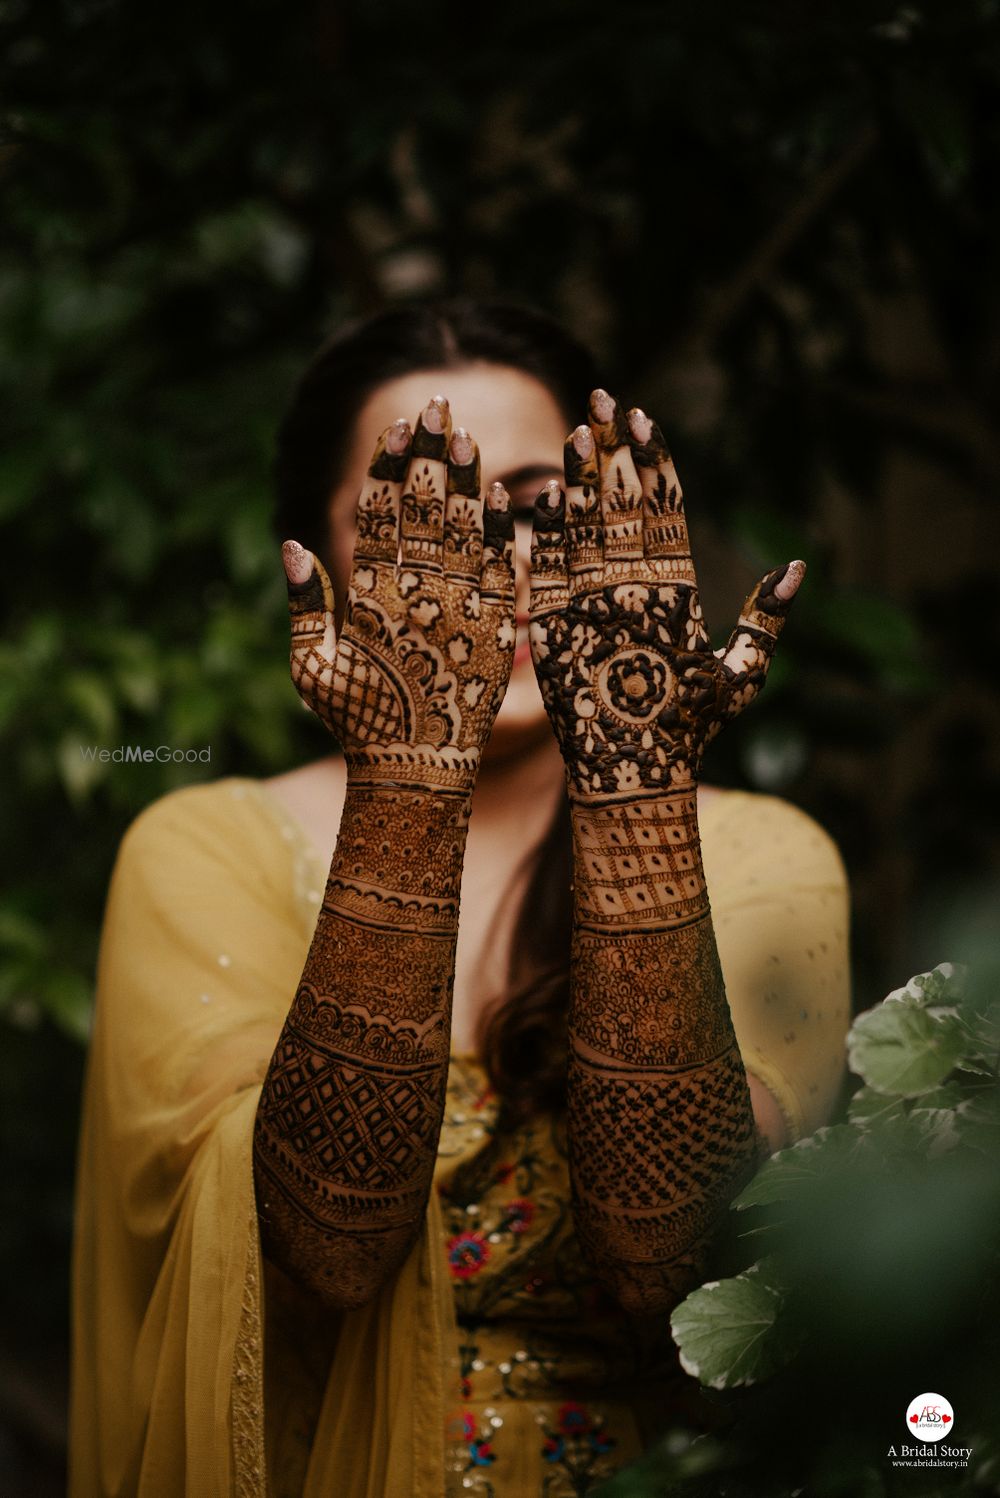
<point>371,1200</point>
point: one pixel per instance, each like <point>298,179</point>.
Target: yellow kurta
<point>493,1362</point>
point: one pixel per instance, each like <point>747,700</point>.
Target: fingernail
<point>789,584</point>
<point>398,436</point>
<point>583,441</point>
<point>462,450</point>
<point>497,497</point>
<point>298,562</point>
<point>639,425</point>
<point>552,494</point>
<point>434,413</point>
<point>602,405</point>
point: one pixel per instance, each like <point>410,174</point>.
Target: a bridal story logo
<point>929,1416</point>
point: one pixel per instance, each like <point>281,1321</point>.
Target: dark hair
<point>355,361</point>
<point>523,1038</point>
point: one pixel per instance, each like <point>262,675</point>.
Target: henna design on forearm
<point>350,1112</point>
<point>351,1108</point>
<point>660,1126</point>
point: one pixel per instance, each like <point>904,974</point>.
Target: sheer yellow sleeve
<point>174,1307</point>
<point>780,908</point>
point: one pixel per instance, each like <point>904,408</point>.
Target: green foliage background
<point>777,224</point>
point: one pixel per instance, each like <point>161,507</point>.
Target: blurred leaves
<point>866,1229</point>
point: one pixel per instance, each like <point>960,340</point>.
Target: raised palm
<point>630,682</point>
<point>413,683</point>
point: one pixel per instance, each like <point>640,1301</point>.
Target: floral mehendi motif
<point>661,1131</point>
<point>349,1119</point>
<point>621,652</point>
<point>413,683</point>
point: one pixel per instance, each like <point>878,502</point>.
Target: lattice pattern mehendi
<point>633,1165</point>
<point>660,1126</point>
<point>414,682</point>
<point>638,863</point>
<point>353,1107</point>
<point>350,1113</point>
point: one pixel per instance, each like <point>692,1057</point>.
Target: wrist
<point>402,847</point>
<point>637,861</point>
<point>414,768</point>
<point>628,780</point>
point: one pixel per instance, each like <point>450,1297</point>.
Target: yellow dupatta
<point>205,935</point>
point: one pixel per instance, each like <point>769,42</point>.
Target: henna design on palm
<point>351,1107</point>
<point>413,684</point>
<point>660,1128</point>
<point>621,652</point>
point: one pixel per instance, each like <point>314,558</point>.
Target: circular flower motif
<point>467,1253</point>
<point>520,1214</point>
<point>636,683</point>
<point>574,1419</point>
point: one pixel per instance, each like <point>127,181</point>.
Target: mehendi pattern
<point>349,1116</point>
<point>660,1128</point>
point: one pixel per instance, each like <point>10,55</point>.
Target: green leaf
<point>67,998</point>
<point>979,1008</point>
<point>87,693</point>
<point>79,773</point>
<point>944,986</point>
<point>811,1159</point>
<point>979,1122</point>
<point>729,1331</point>
<point>20,934</point>
<point>868,1108</point>
<point>901,1049</point>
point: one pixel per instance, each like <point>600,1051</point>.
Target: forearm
<point>661,1128</point>
<point>350,1113</point>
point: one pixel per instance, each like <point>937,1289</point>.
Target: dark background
<point>778,225</point>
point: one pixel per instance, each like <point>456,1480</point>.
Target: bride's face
<point>520,431</point>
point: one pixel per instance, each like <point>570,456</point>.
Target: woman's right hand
<point>412,686</point>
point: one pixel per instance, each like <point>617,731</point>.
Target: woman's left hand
<point>630,683</point>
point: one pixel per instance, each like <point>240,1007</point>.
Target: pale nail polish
<point>398,436</point>
<point>298,562</point>
<point>640,425</point>
<point>434,414</point>
<point>552,495</point>
<point>602,405</point>
<point>497,497</point>
<point>583,441</point>
<point>462,450</point>
<point>789,584</point>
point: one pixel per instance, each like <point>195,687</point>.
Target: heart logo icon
<point>914,1419</point>
<point>946,1418</point>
